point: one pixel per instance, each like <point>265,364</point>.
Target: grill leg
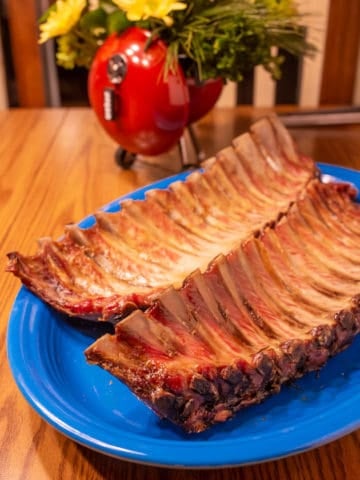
<point>124,159</point>
<point>200,154</point>
<point>184,157</point>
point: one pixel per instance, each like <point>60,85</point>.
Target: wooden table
<point>58,166</point>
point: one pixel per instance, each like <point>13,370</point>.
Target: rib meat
<point>128,258</point>
<point>265,313</point>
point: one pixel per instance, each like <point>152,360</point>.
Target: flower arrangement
<point>214,38</point>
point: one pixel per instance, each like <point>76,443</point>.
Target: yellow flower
<point>143,9</point>
<point>66,55</point>
<point>61,18</point>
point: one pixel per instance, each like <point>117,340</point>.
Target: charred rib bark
<point>267,312</point>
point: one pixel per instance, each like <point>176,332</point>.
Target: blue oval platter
<point>85,403</point>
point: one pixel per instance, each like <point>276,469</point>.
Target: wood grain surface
<point>58,166</point>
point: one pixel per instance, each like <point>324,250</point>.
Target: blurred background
<point>29,76</point>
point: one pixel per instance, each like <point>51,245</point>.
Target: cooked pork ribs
<point>264,313</point>
<point>128,258</point>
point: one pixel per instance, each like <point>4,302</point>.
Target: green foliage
<point>76,49</point>
<point>214,38</point>
<point>117,22</point>
<point>227,38</point>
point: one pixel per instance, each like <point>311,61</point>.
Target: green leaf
<point>93,19</point>
<point>117,22</point>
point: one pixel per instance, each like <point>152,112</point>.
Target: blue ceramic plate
<point>88,405</point>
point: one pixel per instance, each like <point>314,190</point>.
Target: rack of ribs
<point>126,259</point>
<point>265,313</point>
<point>228,284</point>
